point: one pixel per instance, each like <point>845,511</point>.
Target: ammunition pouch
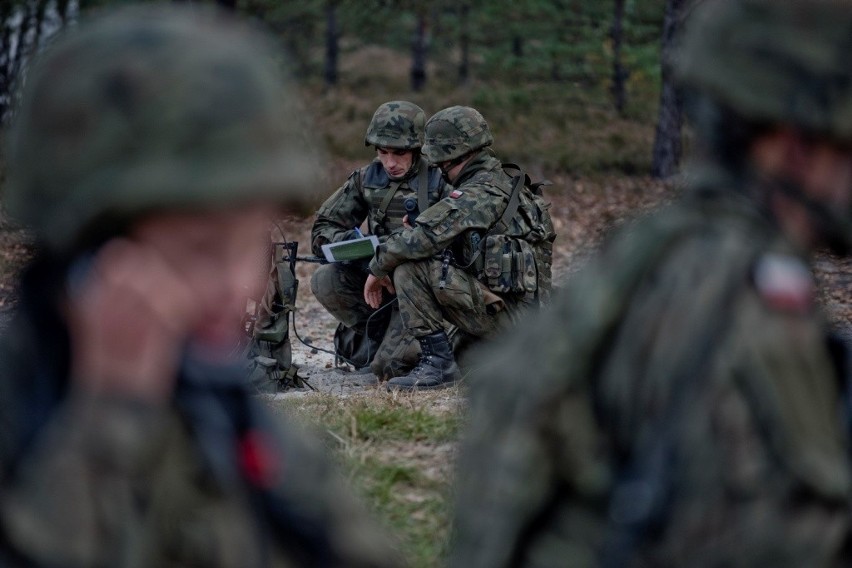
<point>509,265</point>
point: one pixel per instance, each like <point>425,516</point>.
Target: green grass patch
<point>397,452</point>
<point>416,507</point>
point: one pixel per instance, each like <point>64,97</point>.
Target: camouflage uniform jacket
<point>706,304</point>
<point>361,198</point>
<point>480,197</point>
<point>100,482</point>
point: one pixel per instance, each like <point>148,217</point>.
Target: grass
<point>396,450</point>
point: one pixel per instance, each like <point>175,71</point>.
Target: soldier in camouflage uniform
<point>437,265</point>
<point>149,150</point>
<point>377,192</point>
<point>680,403</point>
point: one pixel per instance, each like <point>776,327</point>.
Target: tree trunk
<point>517,46</point>
<point>63,8</point>
<point>22,42</point>
<point>332,48</point>
<point>560,38</point>
<point>464,43</point>
<point>619,74</point>
<point>667,141</point>
<point>418,54</point>
<point>38,24</point>
<point>6,59</point>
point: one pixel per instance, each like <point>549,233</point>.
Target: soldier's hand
<point>373,290</point>
<point>128,316</point>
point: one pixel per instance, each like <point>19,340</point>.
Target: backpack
<point>516,254</point>
<point>269,353</point>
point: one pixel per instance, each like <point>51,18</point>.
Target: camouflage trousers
<point>340,289</point>
<point>464,301</point>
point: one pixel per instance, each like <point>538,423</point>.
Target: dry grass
<point>549,127</point>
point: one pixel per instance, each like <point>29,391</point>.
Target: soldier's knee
<point>323,282</point>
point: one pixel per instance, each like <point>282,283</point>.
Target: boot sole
<point>444,385</point>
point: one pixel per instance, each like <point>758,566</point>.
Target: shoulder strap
<point>514,201</point>
<point>383,206</point>
<point>423,185</point>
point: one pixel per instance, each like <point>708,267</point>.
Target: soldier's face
<point>220,257</point>
<point>819,170</point>
<point>395,162</point>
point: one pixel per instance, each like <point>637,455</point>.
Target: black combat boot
<point>436,369</point>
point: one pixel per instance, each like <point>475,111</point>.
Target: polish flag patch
<point>784,283</point>
<point>455,194</point>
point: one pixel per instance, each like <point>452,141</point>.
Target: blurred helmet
<point>773,61</point>
<point>398,125</point>
<point>454,132</point>
<point>148,108</point>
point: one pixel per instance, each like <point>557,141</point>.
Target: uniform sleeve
<point>444,190</point>
<point>69,496</point>
<point>339,215</point>
<point>755,429</point>
<point>477,208</point>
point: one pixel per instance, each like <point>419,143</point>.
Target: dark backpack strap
<point>423,185</point>
<point>512,206</point>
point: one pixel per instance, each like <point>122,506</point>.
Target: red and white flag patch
<point>784,283</point>
<point>455,194</point>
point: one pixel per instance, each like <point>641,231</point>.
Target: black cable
<point>345,359</point>
<point>335,353</point>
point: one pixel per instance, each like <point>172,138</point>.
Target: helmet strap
<point>447,166</point>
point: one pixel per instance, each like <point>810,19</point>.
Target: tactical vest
<point>387,197</point>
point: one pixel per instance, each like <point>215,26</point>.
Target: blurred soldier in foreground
<point>477,258</point>
<point>151,148</point>
<point>680,404</point>
<point>379,193</point>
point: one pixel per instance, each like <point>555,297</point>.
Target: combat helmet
<point>398,125</point>
<point>773,61</point>
<point>454,132</point>
<point>153,107</point>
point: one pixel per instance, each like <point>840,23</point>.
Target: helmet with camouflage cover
<point>398,125</point>
<point>147,108</point>
<point>774,61</point>
<point>454,132</point>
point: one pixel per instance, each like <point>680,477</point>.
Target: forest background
<point>576,91</point>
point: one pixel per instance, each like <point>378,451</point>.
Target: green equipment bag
<point>269,353</point>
